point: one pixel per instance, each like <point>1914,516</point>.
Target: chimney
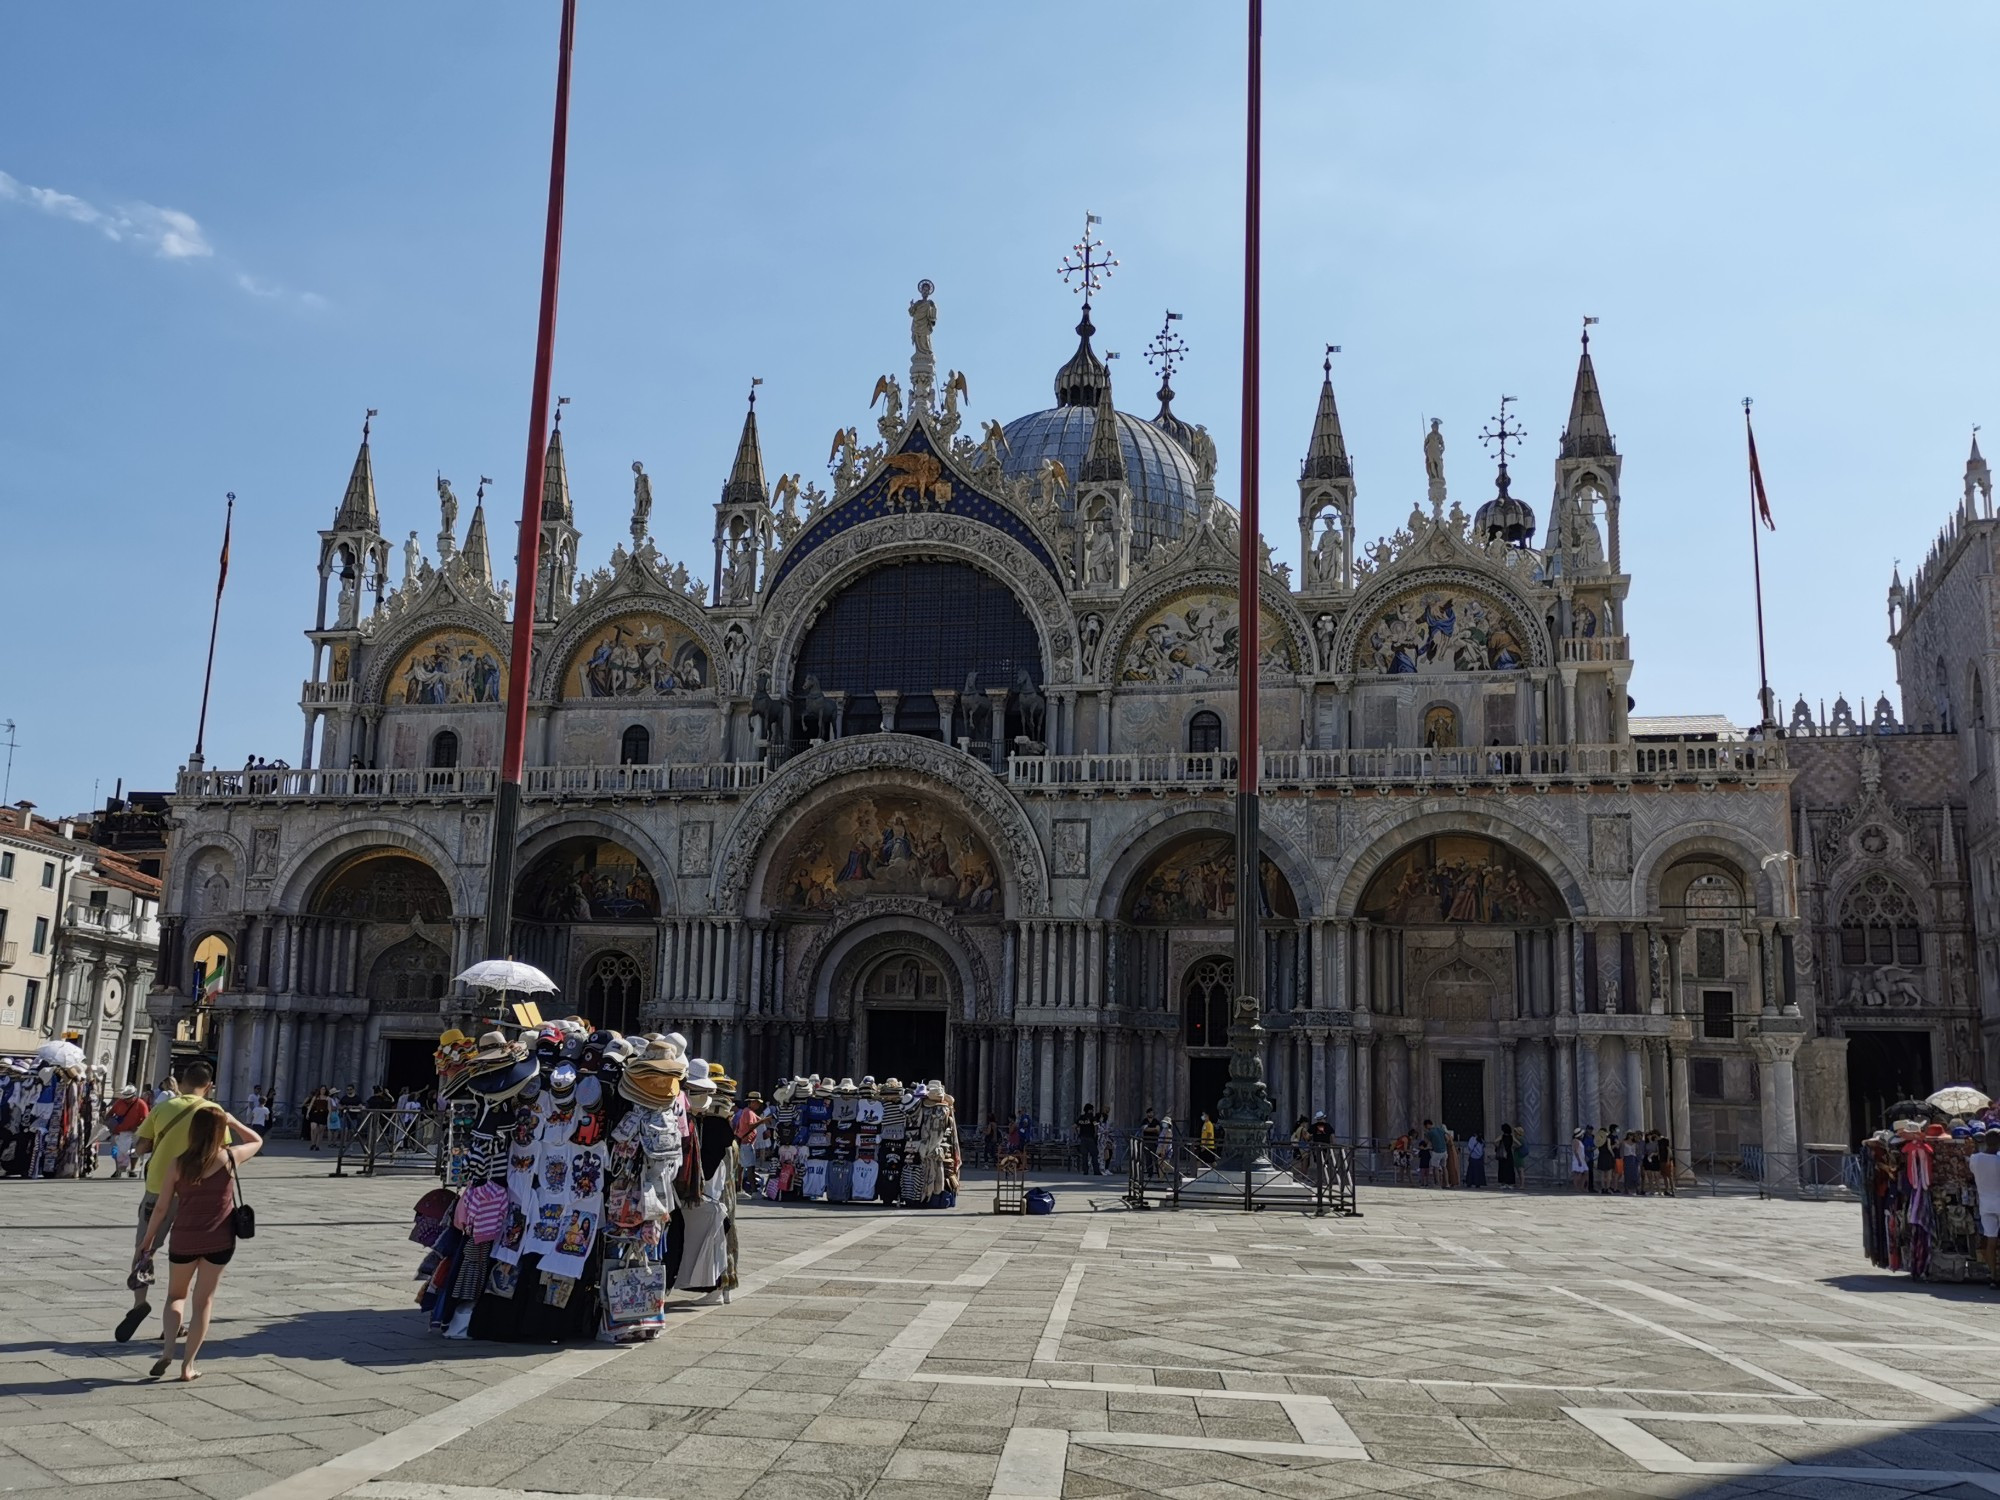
<point>69,828</point>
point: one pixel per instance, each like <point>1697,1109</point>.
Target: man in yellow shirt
<point>162,1137</point>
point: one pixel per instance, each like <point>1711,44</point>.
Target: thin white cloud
<point>169,233</point>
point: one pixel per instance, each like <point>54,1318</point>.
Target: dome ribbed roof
<point>1157,468</point>
<point>1513,521</point>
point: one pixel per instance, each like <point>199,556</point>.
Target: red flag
<point>1757,475</point>
<point>222,572</point>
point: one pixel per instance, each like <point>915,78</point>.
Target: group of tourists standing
<point>1634,1162</point>
<point>1435,1156</point>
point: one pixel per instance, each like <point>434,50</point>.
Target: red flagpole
<point>214,624</point>
<point>1249,961</point>
<point>507,808</point>
<point>1759,508</point>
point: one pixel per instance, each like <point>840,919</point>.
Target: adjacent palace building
<point>933,780</point>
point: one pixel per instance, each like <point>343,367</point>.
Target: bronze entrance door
<point>1462,1096</point>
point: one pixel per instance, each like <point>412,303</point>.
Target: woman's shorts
<point>213,1257</point>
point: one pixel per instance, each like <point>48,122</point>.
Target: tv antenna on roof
<point>7,788</point>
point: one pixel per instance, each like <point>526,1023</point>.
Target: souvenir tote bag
<point>634,1288</point>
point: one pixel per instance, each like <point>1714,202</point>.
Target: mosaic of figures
<point>891,846</point>
<point>384,888</point>
<point>1195,882</point>
<point>1459,878</point>
<point>589,880</point>
<point>1192,639</point>
<point>1442,630</point>
<point>640,656</point>
<point>447,668</point>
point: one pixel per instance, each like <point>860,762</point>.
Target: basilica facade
<point>933,779</point>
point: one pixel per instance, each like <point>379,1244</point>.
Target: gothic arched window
<point>635,746</point>
<point>1205,998</point>
<point>444,750</point>
<point>1204,733</point>
<point>613,990</point>
<point>1878,925</point>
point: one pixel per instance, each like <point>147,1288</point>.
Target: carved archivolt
<point>632,594</point>
<point>1142,603</point>
<point>968,785</point>
<point>1387,588</point>
<point>385,652</point>
<point>961,957</point>
<point>949,538</point>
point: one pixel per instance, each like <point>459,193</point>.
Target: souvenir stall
<point>588,1175</point>
<point>1919,1209</point>
<point>863,1143</point>
<point>49,1109</point>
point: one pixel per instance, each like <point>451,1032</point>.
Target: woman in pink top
<point>201,1181</point>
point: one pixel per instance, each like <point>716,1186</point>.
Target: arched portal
<point>1458,943</point>
<point>378,925</point>
<point>584,900</point>
<point>1208,991</point>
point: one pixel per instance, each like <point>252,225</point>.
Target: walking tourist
<point>1985,1167</point>
<point>1149,1143</point>
<point>1399,1154</point>
<point>198,1199</point>
<point>1665,1147</point>
<point>127,1113</point>
<point>159,1139</point>
<point>1507,1167</point>
<point>1428,1145</point>
<point>260,1110</point>
<point>1475,1161</point>
<point>1607,1157</point>
<point>1633,1153</point>
<point>1579,1162</point>
<point>989,1142</point>
<point>1207,1132</point>
<point>315,1114</point>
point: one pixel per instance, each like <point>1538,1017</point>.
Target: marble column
<point>1335,1095</point>
<point>225,1049</point>
<point>1589,1103</point>
<point>1510,1096</point>
<point>1066,1101</point>
<point>282,1069</point>
<point>1093,1075</point>
<point>1045,1095</point>
<point>1562,1063</point>
<point>1364,1092</point>
<point>1635,1083</point>
<point>1778,1096</point>
<point>1677,1091</point>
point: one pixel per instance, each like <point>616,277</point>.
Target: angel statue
<point>1204,458</point>
<point>642,502</point>
<point>993,443</point>
<point>954,392</point>
<point>890,395</point>
<point>1054,485</point>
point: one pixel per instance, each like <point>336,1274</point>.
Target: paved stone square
<point>1446,1344</point>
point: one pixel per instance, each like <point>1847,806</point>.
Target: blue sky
<point>254,221</point>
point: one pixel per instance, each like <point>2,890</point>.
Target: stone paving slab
<point>1458,1343</point>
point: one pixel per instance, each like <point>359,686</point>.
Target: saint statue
<point>923,318</point>
<point>1101,566</point>
<point>447,507</point>
<point>413,556</point>
<point>1326,556</point>
<point>1434,461</point>
<point>1204,457</point>
<point>642,501</point>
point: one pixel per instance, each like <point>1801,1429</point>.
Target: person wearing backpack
<point>199,1198</point>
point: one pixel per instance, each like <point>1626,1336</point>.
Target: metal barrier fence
<point>390,1140</point>
<point>1309,1178</point>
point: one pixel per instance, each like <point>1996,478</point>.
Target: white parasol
<point>59,1055</point>
<point>505,974</point>
<point>1960,1099</point>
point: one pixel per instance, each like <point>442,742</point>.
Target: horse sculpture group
<point>814,712</point>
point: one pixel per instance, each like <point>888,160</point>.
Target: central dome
<point>1157,469</point>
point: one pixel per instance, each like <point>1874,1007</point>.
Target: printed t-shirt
<point>167,1128</point>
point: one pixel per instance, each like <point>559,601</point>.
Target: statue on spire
<point>1434,464</point>
<point>447,520</point>
<point>923,320</point>
<point>642,503</point>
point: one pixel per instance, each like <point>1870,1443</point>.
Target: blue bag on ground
<point>1041,1201</point>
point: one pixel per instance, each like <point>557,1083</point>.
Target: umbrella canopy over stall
<point>506,974</point>
<point>1960,1099</point>
<point>60,1054</point>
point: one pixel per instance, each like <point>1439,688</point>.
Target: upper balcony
<point>1660,761</point>
<point>112,921</point>
<point>314,694</point>
<point>470,783</point>
<point>1594,648</point>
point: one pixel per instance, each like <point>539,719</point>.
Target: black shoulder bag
<point>242,1218</point>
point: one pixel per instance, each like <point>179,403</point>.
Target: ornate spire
<point>1165,354</point>
<point>476,559</point>
<point>1978,477</point>
<point>1589,433</point>
<point>357,507</point>
<point>1087,267</point>
<point>1105,461</point>
<point>746,476</point>
<point>555,475</point>
<point>1326,454</point>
